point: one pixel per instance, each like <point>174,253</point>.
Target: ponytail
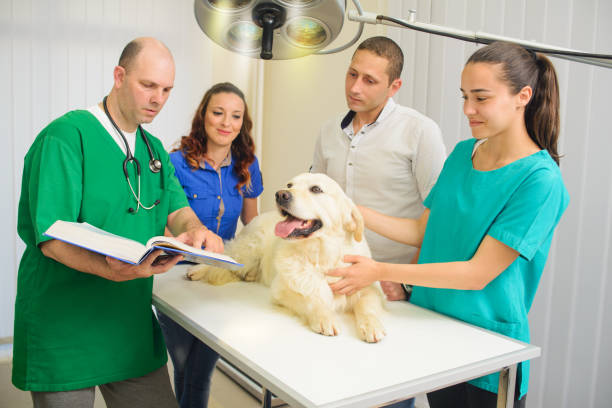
<point>542,111</point>
<point>520,68</point>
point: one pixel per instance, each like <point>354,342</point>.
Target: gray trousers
<point>149,391</point>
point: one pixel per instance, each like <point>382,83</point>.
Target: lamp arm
<point>602,60</point>
<point>355,38</point>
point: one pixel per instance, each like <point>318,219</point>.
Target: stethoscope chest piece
<point>155,165</point>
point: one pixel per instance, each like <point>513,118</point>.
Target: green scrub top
<point>72,329</point>
<point>520,205</point>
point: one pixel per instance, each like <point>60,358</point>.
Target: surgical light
<point>306,32</point>
<point>244,36</point>
<point>229,4</point>
<point>283,29</point>
<point>271,29</point>
<point>297,2</point>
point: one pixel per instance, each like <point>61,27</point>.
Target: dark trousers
<point>466,395</point>
<point>409,403</point>
<point>194,363</point>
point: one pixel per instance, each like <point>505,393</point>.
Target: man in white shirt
<point>385,156</point>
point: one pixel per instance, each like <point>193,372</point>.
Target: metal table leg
<point>507,382</point>
<point>266,401</point>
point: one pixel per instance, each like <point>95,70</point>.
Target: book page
<point>94,239</point>
<point>223,261</point>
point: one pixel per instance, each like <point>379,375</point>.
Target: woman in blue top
<point>489,220</point>
<point>219,172</point>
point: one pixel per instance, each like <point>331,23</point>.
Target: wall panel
<point>7,207</point>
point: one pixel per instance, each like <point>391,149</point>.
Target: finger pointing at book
<point>202,238</point>
<point>187,228</point>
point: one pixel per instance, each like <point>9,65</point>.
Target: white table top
<point>423,350</point>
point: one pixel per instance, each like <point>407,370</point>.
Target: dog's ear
<point>354,223</point>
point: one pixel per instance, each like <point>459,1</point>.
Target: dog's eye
<point>316,189</point>
<point>289,185</point>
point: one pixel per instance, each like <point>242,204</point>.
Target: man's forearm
<point>186,226</point>
<point>93,263</point>
<point>183,220</point>
<point>76,258</point>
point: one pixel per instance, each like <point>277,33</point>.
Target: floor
<point>225,393</point>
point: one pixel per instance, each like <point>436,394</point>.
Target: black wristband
<point>407,290</point>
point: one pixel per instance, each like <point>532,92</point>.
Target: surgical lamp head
<point>271,29</point>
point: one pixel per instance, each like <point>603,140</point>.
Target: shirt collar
<point>226,162</point>
<point>389,107</point>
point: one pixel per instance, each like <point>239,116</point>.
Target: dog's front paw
<point>324,324</point>
<point>251,275</point>
<point>212,275</point>
<point>196,272</point>
<point>371,329</point>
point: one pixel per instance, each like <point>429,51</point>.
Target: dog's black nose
<point>283,196</point>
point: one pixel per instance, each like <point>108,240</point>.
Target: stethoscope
<point>154,164</point>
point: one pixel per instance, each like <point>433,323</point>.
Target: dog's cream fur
<point>294,268</point>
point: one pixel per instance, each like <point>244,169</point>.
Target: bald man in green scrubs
<point>81,319</point>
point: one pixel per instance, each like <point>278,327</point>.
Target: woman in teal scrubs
<point>489,220</point>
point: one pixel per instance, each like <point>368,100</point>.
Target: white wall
<point>571,318</point>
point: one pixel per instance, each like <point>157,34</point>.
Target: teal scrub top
<point>519,205</point>
<point>72,329</point>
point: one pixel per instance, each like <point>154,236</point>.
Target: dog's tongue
<point>286,227</point>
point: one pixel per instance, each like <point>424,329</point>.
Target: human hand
<point>202,237</point>
<point>363,272</point>
<point>120,271</point>
<point>393,290</point>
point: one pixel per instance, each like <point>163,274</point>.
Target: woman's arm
<point>491,259</point>
<point>249,210</point>
<point>405,230</point>
<point>395,290</point>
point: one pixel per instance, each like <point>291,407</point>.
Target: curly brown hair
<point>193,146</point>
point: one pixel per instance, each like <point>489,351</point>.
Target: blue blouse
<point>213,195</point>
<point>520,205</point>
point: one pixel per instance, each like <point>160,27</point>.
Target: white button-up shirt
<point>390,166</point>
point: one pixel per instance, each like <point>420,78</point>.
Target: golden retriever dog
<point>291,250</point>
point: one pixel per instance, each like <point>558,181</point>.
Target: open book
<point>130,251</point>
